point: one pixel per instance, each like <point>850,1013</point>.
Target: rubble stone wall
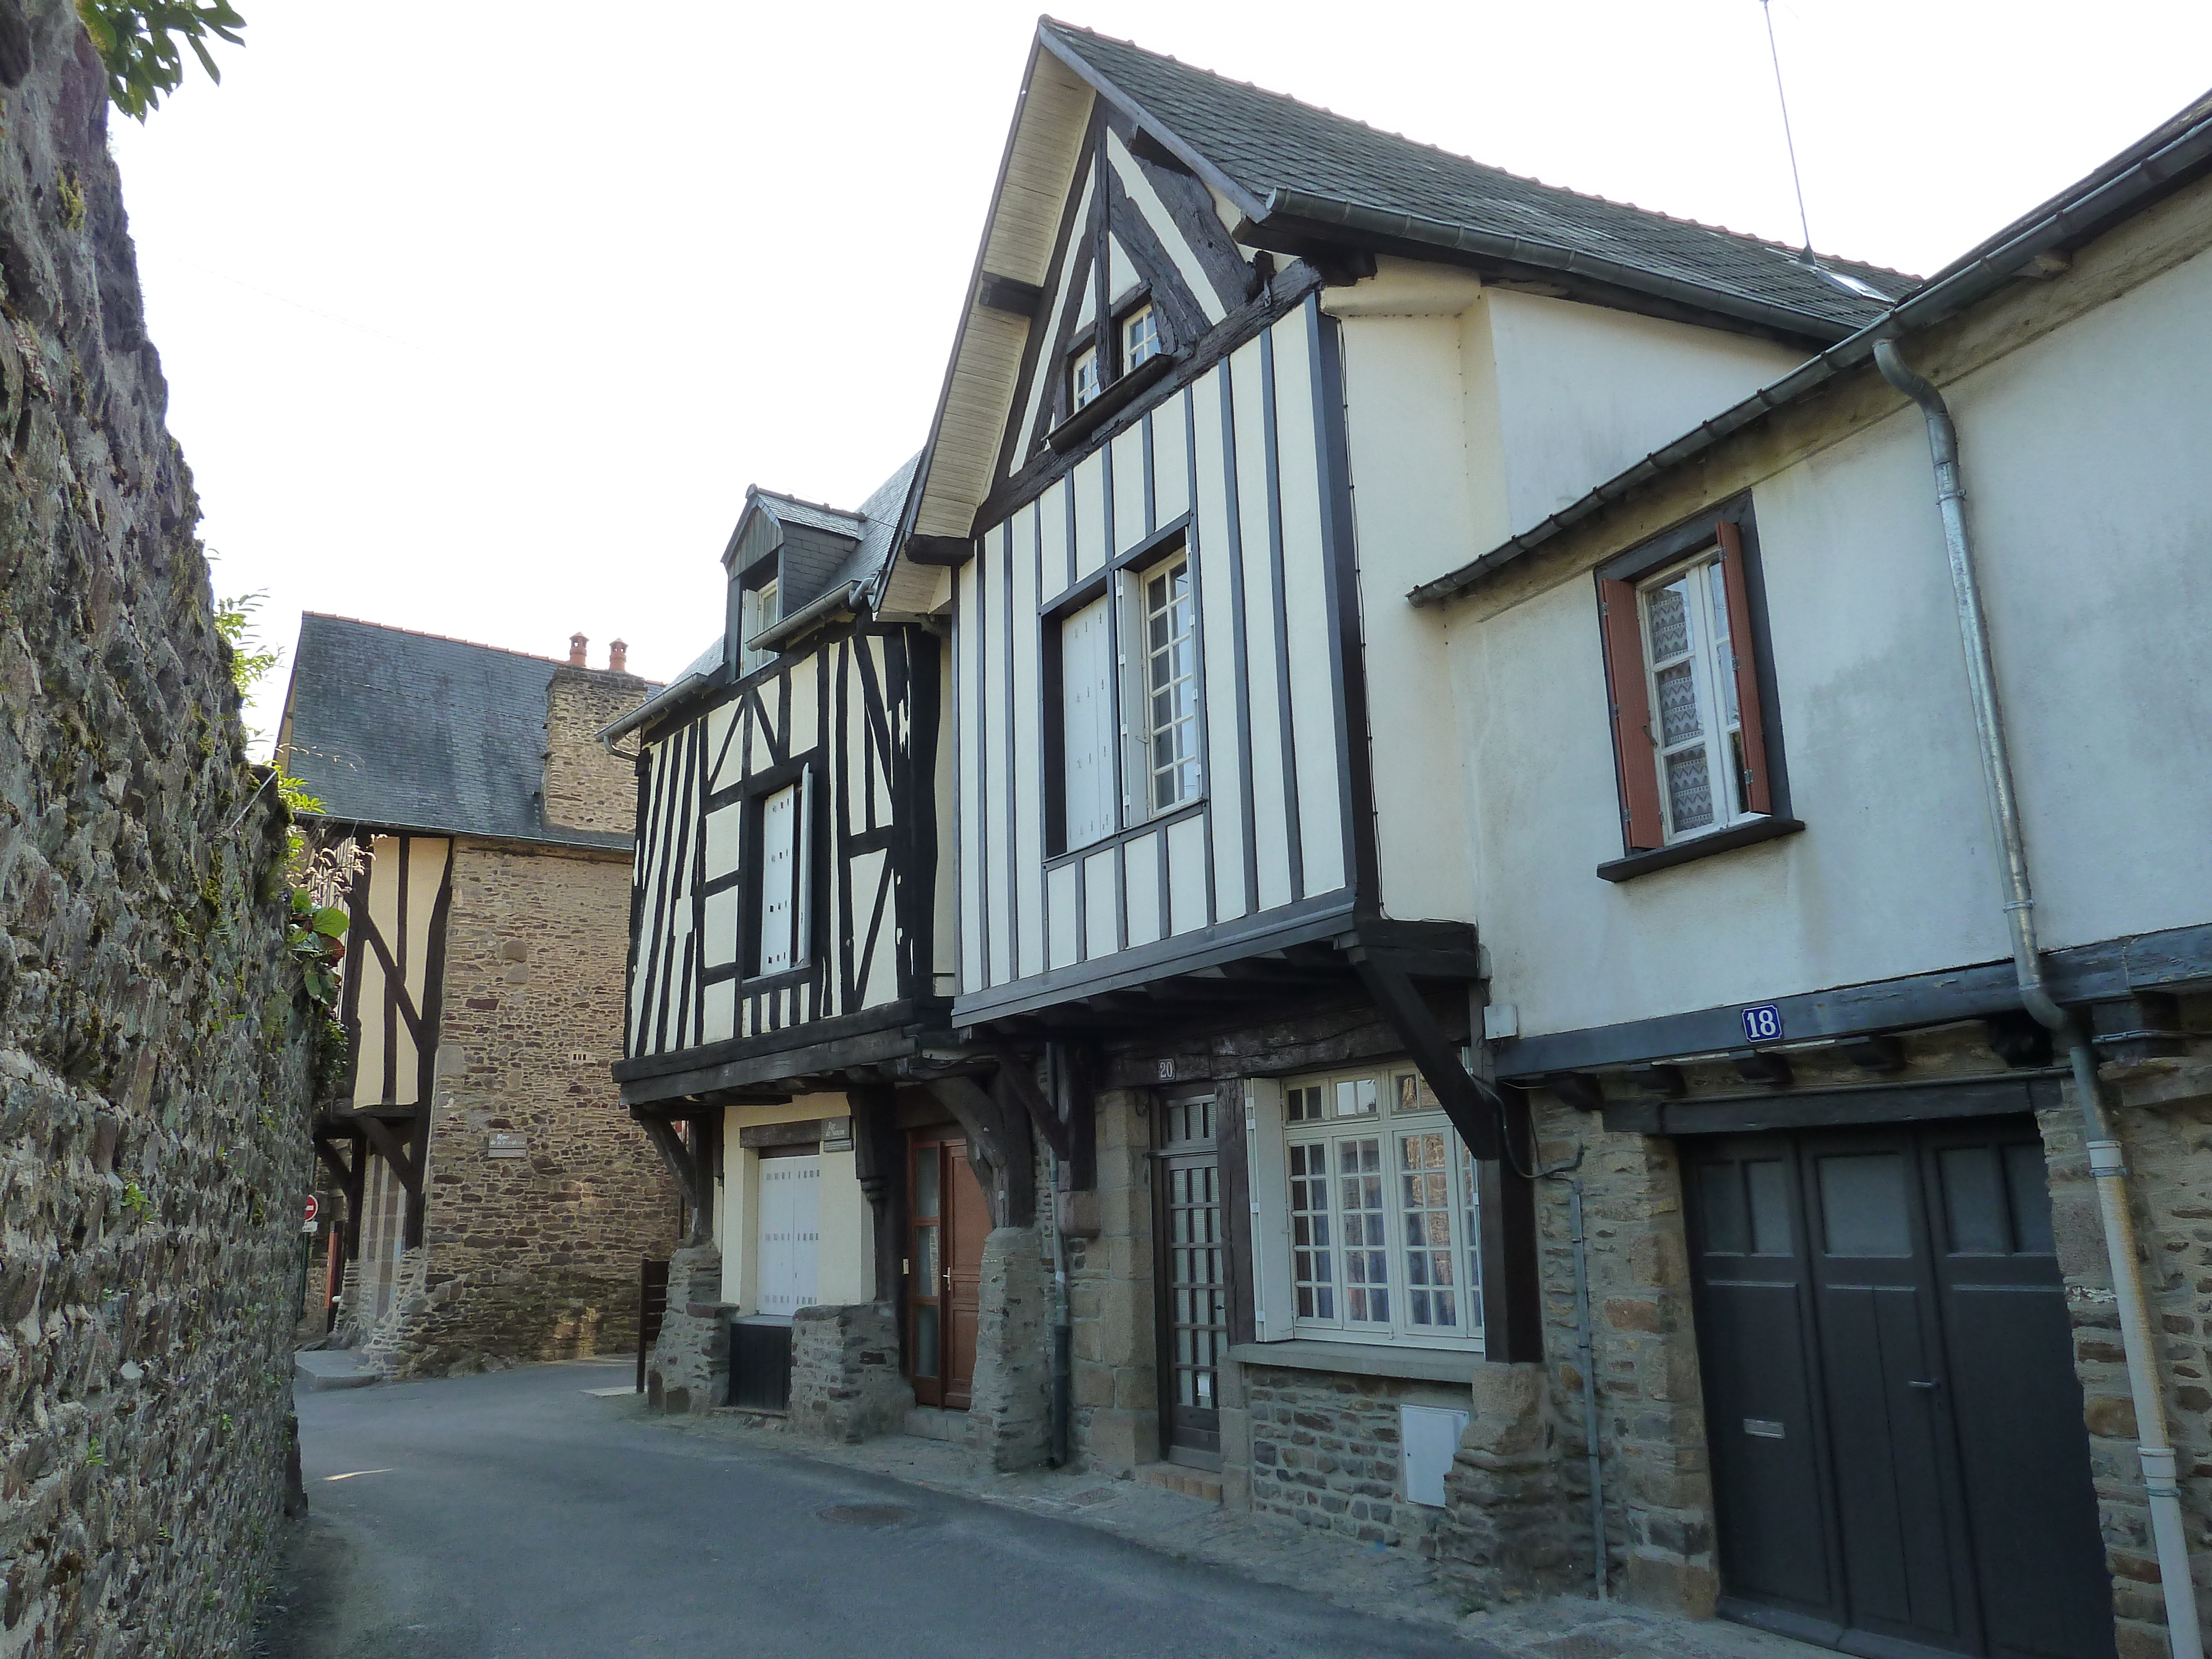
<point>1326,1450</point>
<point>534,1256</point>
<point>845,1381</point>
<point>585,787</point>
<point>153,1046</point>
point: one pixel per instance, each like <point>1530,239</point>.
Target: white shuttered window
<point>1089,726</point>
<point>784,839</point>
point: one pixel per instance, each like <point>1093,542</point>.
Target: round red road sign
<point>314,1209</point>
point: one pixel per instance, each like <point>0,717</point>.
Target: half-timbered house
<point>1233,373</point>
<point>784,960</point>
<point>496,1202</point>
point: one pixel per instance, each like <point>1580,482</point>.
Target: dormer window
<point>1085,377</point>
<point>1140,337</point>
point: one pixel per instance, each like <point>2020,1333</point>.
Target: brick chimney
<point>618,656</point>
<point>576,644</point>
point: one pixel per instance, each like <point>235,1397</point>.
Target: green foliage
<point>136,1202</point>
<point>314,936</point>
<point>139,43</point>
<point>234,621</point>
<point>93,1456</point>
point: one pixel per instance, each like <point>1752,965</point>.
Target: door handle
<point>1936,1382</point>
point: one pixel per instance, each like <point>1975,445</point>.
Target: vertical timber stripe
<point>1267,415</point>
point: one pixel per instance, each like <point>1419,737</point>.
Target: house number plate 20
<point>1763,1023</point>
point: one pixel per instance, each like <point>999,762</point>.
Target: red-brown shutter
<point>1757,796</point>
<point>1632,715</point>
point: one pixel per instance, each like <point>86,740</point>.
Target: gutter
<point>1972,279</point>
<point>844,597</point>
<point>1291,210</point>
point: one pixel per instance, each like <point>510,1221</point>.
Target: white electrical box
<point>1428,1436</point>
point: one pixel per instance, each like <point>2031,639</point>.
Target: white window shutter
<point>802,870</point>
<point>1269,1186</point>
<point>1089,723</point>
<point>779,883</point>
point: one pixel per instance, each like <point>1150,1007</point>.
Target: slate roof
<point>876,524</point>
<point>399,730</point>
<point>1266,143</point>
<point>792,510</point>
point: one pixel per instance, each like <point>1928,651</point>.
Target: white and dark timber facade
<point>1446,977</point>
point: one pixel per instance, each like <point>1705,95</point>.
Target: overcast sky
<point>478,319</point>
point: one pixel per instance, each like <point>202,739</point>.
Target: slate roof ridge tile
<point>766,494</point>
<point>1905,278</point>
<point>455,639</point>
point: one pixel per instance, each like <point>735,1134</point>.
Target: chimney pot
<point>618,656</point>
<point>576,644</point>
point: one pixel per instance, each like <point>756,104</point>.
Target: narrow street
<point>513,1514</point>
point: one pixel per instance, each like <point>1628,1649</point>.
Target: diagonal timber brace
<point>1473,1107</point>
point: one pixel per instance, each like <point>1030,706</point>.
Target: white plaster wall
<point>1585,392</point>
<point>1413,511</point>
<point>2092,506</point>
<point>845,1255</point>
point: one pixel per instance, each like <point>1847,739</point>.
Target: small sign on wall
<point>508,1146</point>
<point>836,1134</point>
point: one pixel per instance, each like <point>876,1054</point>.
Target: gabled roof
<point>2175,153</point>
<point>1304,181</point>
<point>1277,158</point>
<point>393,729</point>
<point>789,509</point>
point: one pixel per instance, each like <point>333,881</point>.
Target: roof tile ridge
<point>425,634</point>
<point>801,501</point>
<point>1492,167</point>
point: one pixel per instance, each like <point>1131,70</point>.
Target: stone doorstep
<point>1174,1477</point>
<point>322,1369</point>
<point>935,1423</point>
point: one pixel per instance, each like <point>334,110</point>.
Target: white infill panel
<point>1428,1438</point>
<point>779,879</point>
<point>1130,504</point>
<point>1090,479</point>
<point>1064,930</point>
<point>790,1232</point>
<point>1187,874</point>
<point>1141,881</point>
<point>1101,905</point>
<point>1087,735</point>
<point>1170,460</point>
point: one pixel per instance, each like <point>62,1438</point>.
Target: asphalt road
<point>511,1516</point>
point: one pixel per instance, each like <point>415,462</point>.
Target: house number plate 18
<point>1763,1023</point>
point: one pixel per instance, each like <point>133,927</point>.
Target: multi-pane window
<point>780,918</point>
<point>1171,685</point>
<point>1084,376</point>
<point>1384,1241</point>
<point>1695,724</point>
<point>1140,337</point>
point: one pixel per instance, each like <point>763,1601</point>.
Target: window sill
<point>1181,809</point>
<point>1363,1359</point>
<point>1071,431</point>
<point>1721,841</point>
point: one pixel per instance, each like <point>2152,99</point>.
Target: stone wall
<point>2162,1108</point>
<point>1114,1334</point>
<point>533,1257</point>
<point>1325,1450</point>
<point>689,1368</point>
<point>845,1380</point>
<point>1009,1413</point>
<point>154,1087</point>
<point>585,787</point>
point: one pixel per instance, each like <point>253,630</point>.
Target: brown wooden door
<point>948,1221</point>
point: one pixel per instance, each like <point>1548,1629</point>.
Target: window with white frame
<point>1140,337</point>
<point>1690,680</point>
<point>1693,733</point>
<point>1170,633</point>
<point>1085,376</point>
<point>1124,670</point>
<point>1382,1210</point>
<point>780,930</point>
<point>760,607</point>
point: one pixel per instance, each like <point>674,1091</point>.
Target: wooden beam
<point>1009,294</point>
<point>1023,1086</point>
<point>661,1132</point>
<point>1474,1107</point>
<point>879,1166</point>
<point>948,550</point>
<point>994,1146</point>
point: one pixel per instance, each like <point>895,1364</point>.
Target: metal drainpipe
<point>2106,1164</point>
